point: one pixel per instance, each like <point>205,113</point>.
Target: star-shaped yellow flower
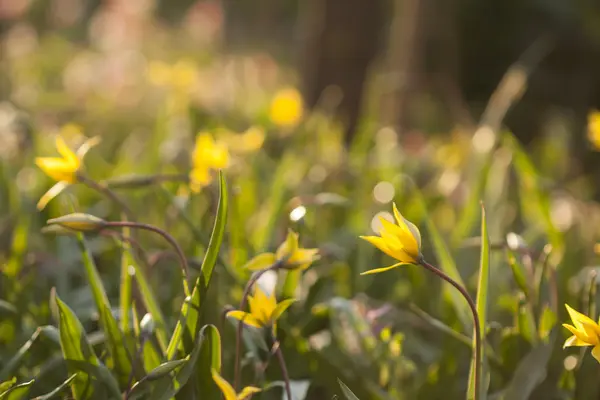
<point>293,256</point>
<point>228,390</point>
<point>401,241</point>
<point>586,332</point>
<point>63,169</point>
<point>207,155</point>
<point>264,310</point>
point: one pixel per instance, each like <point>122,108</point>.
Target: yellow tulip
<point>586,332</point>
<point>207,155</point>
<point>286,107</point>
<point>289,253</point>
<point>264,310</point>
<point>593,129</point>
<point>400,240</point>
<point>62,169</point>
<point>228,390</point>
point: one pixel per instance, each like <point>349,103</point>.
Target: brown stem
<point>182,259</point>
<point>104,190</point>
<point>238,336</point>
<point>284,372</point>
<point>476,324</point>
<point>143,181</point>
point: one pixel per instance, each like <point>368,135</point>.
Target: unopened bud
<point>79,222</point>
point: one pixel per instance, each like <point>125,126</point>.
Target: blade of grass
<point>191,310</point>
<point>126,281</point>
<point>116,344</point>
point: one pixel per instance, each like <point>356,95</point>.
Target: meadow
<point>175,223</point>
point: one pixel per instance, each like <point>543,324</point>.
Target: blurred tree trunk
<point>340,39</point>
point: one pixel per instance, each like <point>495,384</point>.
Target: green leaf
<point>80,356</point>
<point>347,392</point>
<point>482,309</point>
<point>126,280</point>
<point>17,392</point>
<point>518,271</point>
<point>548,320</point>
<point>173,386</point>
<point>144,385</point>
<point>57,390</point>
<point>191,308</point>
<point>530,372</point>
<point>4,386</point>
<point>117,348</point>
<point>210,357</point>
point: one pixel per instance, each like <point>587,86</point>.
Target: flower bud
<point>79,222</point>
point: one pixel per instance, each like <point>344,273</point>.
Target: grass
<point>100,315</point>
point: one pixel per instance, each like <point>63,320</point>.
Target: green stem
<point>476,324</point>
<point>182,259</point>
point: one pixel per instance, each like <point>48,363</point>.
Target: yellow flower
<point>62,169</point>
<point>401,241</point>
<point>228,390</point>
<point>593,129</point>
<point>207,155</point>
<point>586,332</point>
<point>247,142</point>
<point>286,107</point>
<point>264,310</point>
<point>288,252</point>
<point>181,75</point>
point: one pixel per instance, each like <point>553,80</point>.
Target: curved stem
<point>182,259</point>
<point>238,336</point>
<point>476,324</point>
<point>284,372</point>
<point>104,190</point>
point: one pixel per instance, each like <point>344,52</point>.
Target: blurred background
<point>336,103</point>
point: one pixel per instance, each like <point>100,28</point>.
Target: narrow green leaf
<point>120,354</point>
<point>164,369</point>
<point>530,372</point>
<point>79,353</point>
<point>210,357</point>
<point>191,308</point>
<point>347,392</point>
<point>5,385</point>
<point>292,279</point>
<point>518,271</point>
<point>59,389</point>
<point>547,321</point>
<point>167,391</point>
<point>526,322</point>
<point>17,392</point>
<point>482,308</point>
<point>126,281</point>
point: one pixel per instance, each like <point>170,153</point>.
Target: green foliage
<point>124,328</point>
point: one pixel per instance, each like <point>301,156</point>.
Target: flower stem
<point>476,324</point>
<point>105,190</point>
<point>284,372</point>
<point>238,336</point>
<point>182,259</point>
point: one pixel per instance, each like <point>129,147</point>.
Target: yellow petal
<point>378,270</point>
<point>304,256</point>
<point>66,153</point>
<point>411,227</point>
<point>288,247</point>
<point>379,243</point>
<point>404,235</point>
<point>579,319</point>
<point>87,146</point>
<point>280,309</point>
<point>56,168</point>
<point>596,352</point>
<point>226,388</point>
<point>247,391</point>
<point>261,261</point>
<point>257,310</point>
<point>245,317</point>
<point>51,193</point>
<point>580,334</point>
<point>574,341</point>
